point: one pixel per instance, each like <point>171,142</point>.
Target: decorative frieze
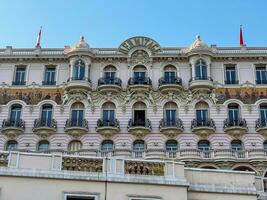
<point>82,164</point>
<point>144,168</point>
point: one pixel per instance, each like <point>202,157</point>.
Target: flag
<point>38,42</point>
<point>241,42</point>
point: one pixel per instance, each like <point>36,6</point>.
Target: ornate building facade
<point>203,105</point>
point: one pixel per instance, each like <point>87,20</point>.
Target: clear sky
<point>107,23</point>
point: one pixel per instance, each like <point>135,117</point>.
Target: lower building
<point>69,177</point>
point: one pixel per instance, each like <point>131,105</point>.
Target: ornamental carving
<point>3,160</point>
<point>82,164</point>
<point>140,57</point>
<point>144,168</point>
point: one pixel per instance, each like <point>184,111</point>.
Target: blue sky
<point>107,23</point>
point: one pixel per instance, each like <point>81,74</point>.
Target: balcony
<point>203,128</point>
<point>171,128</point>
<point>44,128</point>
<point>235,128</point>
<point>108,128</point>
<point>261,127</point>
<point>19,83</point>
<point>201,83</point>
<point>77,83</point>
<point>140,84</point>
<point>231,82</point>
<point>12,129</point>
<point>109,85</point>
<point>174,86</point>
<point>48,83</point>
<point>261,82</point>
<point>76,128</point>
<point>139,128</point>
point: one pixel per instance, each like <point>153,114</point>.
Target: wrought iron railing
<point>108,123</point>
<point>76,123</point>
<point>19,83</point>
<point>109,81</point>
<point>49,82</point>
<point>140,81</point>
<point>177,123</point>
<point>261,81</point>
<point>45,123</point>
<point>231,82</point>
<point>13,123</point>
<point>203,123</point>
<point>175,81</point>
<point>201,78</point>
<point>79,79</point>
<point>143,123</point>
<point>260,123</point>
<point>231,123</point>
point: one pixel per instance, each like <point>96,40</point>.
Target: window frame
<point>15,74</point>
<point>236,74</point>
<point>66,195</point>
<point>262,65</point>
<point>55,76</point>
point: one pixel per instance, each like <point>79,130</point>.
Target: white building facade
<point>203,105</point>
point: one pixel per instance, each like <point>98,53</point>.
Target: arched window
<point>139,74</point>
<point>171,145</point>
<point>201,70</point>
<point>202,113</point>
<point>236,145</point>
<point>243,168</point>
<point>265,145</point>
<point>233,114</point>
<point>170,74</point>
<point>108,114</point>
<point>170,115</point>
<point>139,114</point>
<point>77,114</point>
<point>263,114</point>
<point>109,74</point>
<point>107,145</point>
<point>203,145</point>
<point>46,116</point>
<point>138,148</point>
<point>11,145</point>
<point>75,145</point>
<point>79,70</point>
<point>15,114</point>
<point>43,145</point>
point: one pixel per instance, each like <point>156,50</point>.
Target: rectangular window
<point>263,114</point>
<point>233,116</point>
<point>20,75</point>
<point>77,118</point>
<point>230,75</point>
<point>261,75</point>
<point>169,77</point>
<point>108,117</point>
<point>202,117</point>
<point>109,77</point>
<point>139,77</point>
<point>170,117</point>
<point>80,197</point>
<point>50,73</point>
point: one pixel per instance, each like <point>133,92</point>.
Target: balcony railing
<point>74,123</point>
<point>231,82</point>
<point>45,123</point>
<point>201,78</point>
<point>175,81</point>
<point>139,123</point>
<point>138,153</point>
<point>261,82</point>
<point>13,124</point>
<point>109,81</point>
<point>260,124</point>
<point>177,123</point>
<point>19,83</point>
<point>49,83</point>
<point>79,79</point>
<point>235,123</point>
<point>139,81</point>
<point>108,123</point>
<point>203,123</point>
